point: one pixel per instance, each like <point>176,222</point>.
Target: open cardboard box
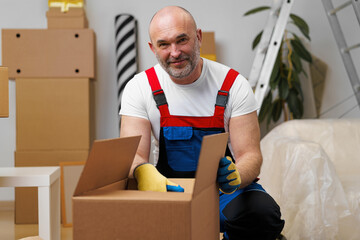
<point>106,204</point>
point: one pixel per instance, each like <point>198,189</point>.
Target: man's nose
<point>175,51</point>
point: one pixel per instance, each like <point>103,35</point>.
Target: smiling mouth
<point>177,62</point>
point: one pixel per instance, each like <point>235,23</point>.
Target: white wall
<point>233,32</point>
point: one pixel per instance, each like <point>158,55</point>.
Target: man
<point>179,102</point>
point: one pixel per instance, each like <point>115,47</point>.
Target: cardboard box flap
<point>212,150</point>
<point>109,161</point>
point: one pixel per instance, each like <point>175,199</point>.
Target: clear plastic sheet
<point>312,169</point>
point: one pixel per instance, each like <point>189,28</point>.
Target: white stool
<point>48,183</point>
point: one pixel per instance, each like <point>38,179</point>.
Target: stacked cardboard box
<point>52,69</point>
<point>74,18</point>
<point>4,92</point>
<point>208,46</point>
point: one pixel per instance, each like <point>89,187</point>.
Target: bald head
<point>176,42</point>
<point>169,17</point>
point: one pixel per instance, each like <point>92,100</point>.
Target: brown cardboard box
<point>74,18</point>
<point>105,206</point>
<point>208,47</point>
<point>53,114</point>
<point>49,158</point>
<point>26,198</point>
<point>34,53</point>
<point>4,92</point>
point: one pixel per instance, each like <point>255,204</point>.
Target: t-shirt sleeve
<point>132,101</point>
<point>242,98</point>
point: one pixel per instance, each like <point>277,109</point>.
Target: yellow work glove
<point>228,176</point>
<point>149,179</point>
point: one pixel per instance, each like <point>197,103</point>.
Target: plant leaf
<point>255,10</point>
<point>276,110</point>
<point>301,24</point>
<point>265,107</point>
<point>295,105</point>
<point>274,81</point>
<point>256,40</point>
<point>295,59</point>
<point>297,87</point>
<point>299,48</point>
<point>274,78</point>
<point>283,88</point>
<point>275,74</point>
<point>296,37</point>
<point>295,78</point>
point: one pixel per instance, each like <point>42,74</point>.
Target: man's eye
<point>182,40</point>
<point>162,45</point>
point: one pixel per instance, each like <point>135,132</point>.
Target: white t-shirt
<point>195,99</point>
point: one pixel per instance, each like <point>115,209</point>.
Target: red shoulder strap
<point>229,80</point>
<point>157,92</point>
<point>153,79</point>
<point>223,93</point>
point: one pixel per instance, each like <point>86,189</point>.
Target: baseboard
<point>7,205</point>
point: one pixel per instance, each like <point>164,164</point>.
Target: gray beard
<point>189,68</point>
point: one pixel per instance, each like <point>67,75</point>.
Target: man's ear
<point>199,35</point>
<point>151,47</point>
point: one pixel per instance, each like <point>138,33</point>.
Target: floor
<point>11,231</point>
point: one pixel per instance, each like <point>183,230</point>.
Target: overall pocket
<point>181,148</point>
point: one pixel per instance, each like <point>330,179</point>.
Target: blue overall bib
<point>181,136</point>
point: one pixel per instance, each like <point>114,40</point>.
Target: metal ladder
<point>341,43</point>
<point>268,48</point>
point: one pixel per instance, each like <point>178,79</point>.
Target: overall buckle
<point>159,97</point>
<point>222,98</point>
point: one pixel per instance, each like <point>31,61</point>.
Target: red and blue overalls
<point>181,136</point>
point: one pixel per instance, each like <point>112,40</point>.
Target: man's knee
<point>253,215</point>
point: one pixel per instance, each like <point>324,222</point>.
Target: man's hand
<point>149,179</point>
<point>228,176</point>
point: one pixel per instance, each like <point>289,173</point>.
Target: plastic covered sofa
<point>312,169</point>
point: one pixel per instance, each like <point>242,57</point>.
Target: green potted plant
<point>285,95</point>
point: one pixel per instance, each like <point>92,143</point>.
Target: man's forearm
<point>134,126</point>
<point>249,167</point>
<point>245,141</point>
